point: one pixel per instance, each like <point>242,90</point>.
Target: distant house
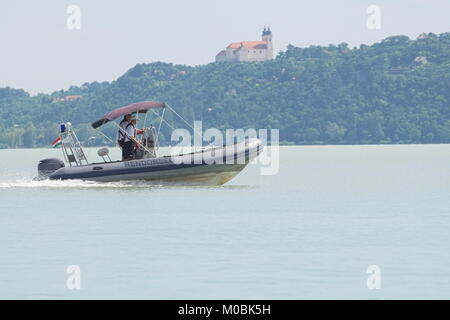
<point>56,100</point>
<point>71,98</point>
<point>66,98</point>
<point>248,51</point>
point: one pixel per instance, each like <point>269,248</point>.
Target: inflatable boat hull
<point>209,167</point>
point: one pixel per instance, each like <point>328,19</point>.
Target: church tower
<point>267,37</point>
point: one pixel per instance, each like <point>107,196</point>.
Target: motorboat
<point>213,165</point>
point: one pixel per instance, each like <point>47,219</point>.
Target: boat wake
<point>76,184</point>
<point>80,184</point>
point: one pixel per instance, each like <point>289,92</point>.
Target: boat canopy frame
<point>72,149</point>
<point>141,108</point>
<point>138,107</point>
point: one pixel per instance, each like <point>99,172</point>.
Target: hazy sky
<point>40,54</point>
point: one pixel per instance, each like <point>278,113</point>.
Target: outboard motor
<point>47,166</point>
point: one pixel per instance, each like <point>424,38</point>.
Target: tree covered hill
<point>395,91</point>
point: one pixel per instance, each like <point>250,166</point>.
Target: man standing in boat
<point>130,142</point>
<point>121,132</point>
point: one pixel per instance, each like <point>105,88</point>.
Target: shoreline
<point>282,146</point>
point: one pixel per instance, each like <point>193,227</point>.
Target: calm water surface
<point>310,231</point>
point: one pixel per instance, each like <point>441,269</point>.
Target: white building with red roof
<point>248,51</point>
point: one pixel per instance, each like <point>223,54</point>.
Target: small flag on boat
<point>57,142</point>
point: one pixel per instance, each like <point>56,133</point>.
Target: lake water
<point>308,232</point>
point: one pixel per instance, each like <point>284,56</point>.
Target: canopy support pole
<point>168,124</point>
<point>104,135</point>
<point>193,129</point>
<point>159,129</point>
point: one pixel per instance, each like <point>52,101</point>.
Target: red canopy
<point>140,107</point>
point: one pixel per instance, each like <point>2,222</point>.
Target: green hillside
<point>316,95</point>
